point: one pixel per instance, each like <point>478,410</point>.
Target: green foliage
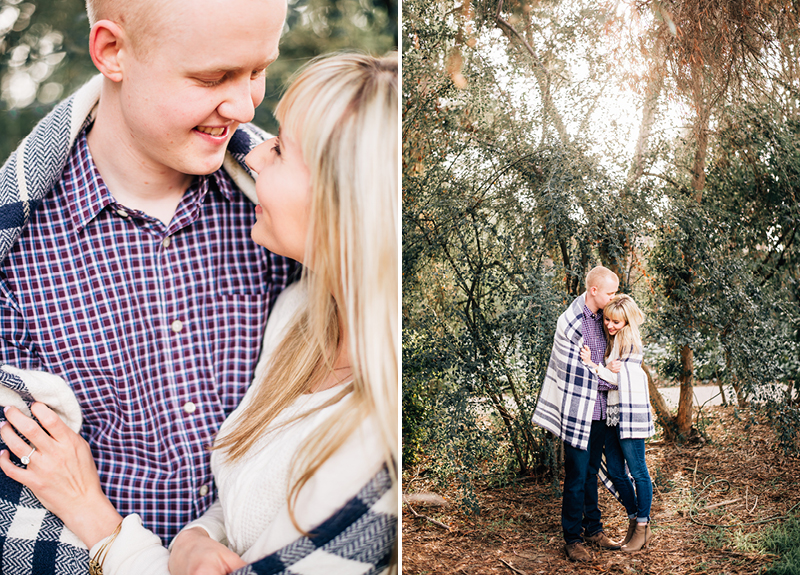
<point>785,418</point>
<point>502,217</point>
<point>424,367</point>
<point>784,540</point>
<point>724,268</point>
<point>315,27</point>
<point>44,54</point>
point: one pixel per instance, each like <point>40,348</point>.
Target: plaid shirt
<point>156,327</point>
<point>595,338</point>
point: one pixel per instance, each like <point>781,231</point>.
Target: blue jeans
<point>631,451</point>
<point>580,512</point>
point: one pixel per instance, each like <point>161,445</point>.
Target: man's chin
<point>201,168</point>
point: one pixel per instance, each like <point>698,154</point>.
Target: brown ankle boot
<point>631,529</point>
<point>641,537</point>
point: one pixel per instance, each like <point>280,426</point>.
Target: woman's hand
<point>586,356</point>
<point>615,366</point>
<point>193,552</point>
<point>61,472</point>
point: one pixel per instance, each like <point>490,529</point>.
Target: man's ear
<point>105,45</point>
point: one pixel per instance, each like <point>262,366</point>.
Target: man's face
<point>182,100</point>
<point>605,292</point>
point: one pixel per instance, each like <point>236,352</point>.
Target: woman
<point>629,414</point>
<point>320,420</point>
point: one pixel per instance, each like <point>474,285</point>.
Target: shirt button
<point>203,490</point>
<point>122,213</point>
<point>189,407</point>
<point>166,242</point>
<point>176,326</point>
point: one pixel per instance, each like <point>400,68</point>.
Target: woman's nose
<point>255,159</point>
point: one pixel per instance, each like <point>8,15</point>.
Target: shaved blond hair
<point>597,275</point>
<point>142,20</point>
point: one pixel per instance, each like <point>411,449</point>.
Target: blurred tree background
<point>540,138</point>
<point>44,52</point>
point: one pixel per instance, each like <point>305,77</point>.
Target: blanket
<point>33,541</point>
<point>567,398</point>
<point>359,538</point>
<point>635,415</point>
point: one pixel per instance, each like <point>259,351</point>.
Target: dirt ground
<point>739,479</point>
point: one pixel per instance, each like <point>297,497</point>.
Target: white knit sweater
<point>251,515</point>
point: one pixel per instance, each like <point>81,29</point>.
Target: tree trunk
<point>663,414</point>
<point>684,417</point>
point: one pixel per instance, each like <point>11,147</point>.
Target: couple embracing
<point>595,399</point>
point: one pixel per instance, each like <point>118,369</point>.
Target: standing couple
<point>134,305</point>
<point>595,399</point>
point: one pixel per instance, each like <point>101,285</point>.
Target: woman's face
<point>283,187</point>
<point>614,325</point>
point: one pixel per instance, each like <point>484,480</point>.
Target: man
<point>133,276</point>
<point>572,405</point>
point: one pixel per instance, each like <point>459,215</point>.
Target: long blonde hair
<point>628,339</point>
<point>342,110</point>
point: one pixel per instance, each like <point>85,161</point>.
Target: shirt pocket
<point>242,272</point>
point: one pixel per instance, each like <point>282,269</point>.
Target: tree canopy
<point>542,138</point>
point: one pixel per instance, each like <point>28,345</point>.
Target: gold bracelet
<point>96,562</point>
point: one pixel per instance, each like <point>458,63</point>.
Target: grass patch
<point>783,540</point>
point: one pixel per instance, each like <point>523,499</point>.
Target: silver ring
<point>26,459</point>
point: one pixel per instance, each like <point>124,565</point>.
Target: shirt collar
<point>589,313</point>
<point>88,194</point>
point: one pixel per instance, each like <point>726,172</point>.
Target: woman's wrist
<point>96,524</point>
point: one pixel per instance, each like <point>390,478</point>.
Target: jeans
<point>631,451</point>
<point>580,512</point>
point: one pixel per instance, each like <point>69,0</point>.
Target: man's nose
<point>239,100</point>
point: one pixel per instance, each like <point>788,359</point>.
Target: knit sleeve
<point>212,522</point>
<point>605,374</point>
<point>135,550</point>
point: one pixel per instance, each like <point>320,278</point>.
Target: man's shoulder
<point>574,309</point>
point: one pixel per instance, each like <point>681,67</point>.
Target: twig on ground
<point>439,523</point>
<point>721,503</point>
<point>514,569</point>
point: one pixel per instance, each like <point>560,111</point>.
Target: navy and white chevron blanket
<point>567,398</point>
<point>359,539</point>
<point>33,541</point>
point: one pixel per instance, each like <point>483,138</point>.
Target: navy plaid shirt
<point>595,337</point>
<point>156,327</point>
